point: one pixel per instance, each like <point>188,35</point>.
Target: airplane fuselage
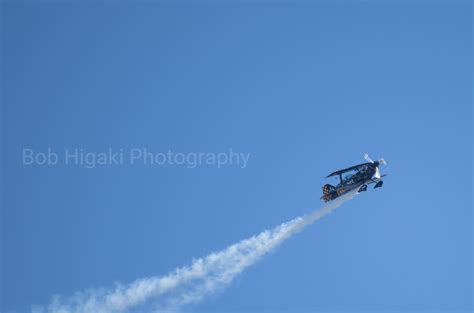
<point>361,177</point>
<point>359,180</point>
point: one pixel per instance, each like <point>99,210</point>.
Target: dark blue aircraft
<point>357,176</point>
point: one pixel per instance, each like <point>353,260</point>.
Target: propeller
<point>377,170</point>
<point>377,173</point>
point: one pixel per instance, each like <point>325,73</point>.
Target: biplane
<point>354,177</point>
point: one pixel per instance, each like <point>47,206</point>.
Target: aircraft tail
<point>328,188</point>
<point>328,192</point>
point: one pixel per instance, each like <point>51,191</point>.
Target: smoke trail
<point>189,284</point>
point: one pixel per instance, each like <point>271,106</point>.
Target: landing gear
<point>363,188</point>
<point>379,184</point>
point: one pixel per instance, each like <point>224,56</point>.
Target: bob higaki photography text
<point>133,156</point>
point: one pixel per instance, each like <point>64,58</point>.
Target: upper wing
<point>347,169</point>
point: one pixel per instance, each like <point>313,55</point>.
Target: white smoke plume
<point>188,284</point>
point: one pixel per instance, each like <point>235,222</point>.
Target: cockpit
<point>353,176</point>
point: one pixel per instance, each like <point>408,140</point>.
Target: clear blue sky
<point>304,88</point>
